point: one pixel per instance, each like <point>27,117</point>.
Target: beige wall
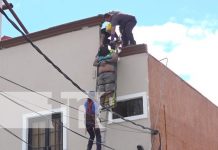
<point>132,74</point>
<point>24,65</point>
<point>123,138</point>
<point>132,79</point>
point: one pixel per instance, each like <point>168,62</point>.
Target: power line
<point>137,130</point>
<point>41,53</point>
<point>13,134</point>
<point>52,99</point>
<point>19,138</point>
<point>17,103</point>
<point>15,16</point>
<point>153,131</point>
<point>26,88</point>
<point>39,106</point>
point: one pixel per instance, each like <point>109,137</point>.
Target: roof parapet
<point>53,31</point>
<point>132,50</point>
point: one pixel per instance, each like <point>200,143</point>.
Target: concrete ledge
<point>132,50</point>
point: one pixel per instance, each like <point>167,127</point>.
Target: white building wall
<point>24,65</point>
<point>132,81</point>
<point>74,53</point>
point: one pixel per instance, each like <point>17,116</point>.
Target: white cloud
<point>194,51</point>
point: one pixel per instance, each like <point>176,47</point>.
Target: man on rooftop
<point>126,23</point>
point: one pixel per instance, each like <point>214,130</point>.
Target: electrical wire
<point>38,106</point>
<point>41,53</point>
<point>26,88</point>
<point>52,99</point>
<point>153,131</point>
<point>13,134</point>
<point>164,59</point>
<point>21,105</point>
<point>19,138</point>
<point>80,120</point>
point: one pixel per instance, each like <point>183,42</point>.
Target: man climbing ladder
<point>105,62</point>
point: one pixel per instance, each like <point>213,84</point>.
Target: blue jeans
<point>92,133</point>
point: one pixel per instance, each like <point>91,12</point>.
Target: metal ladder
<point>104,112</point>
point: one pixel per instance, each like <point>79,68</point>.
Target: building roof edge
<point>132,50</point>
<point>53,31</point>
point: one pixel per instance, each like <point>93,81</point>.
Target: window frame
<point>26,117</point>
<point>55,116</point>
<point>130,97</point>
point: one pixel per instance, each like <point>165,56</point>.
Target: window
<point>133,106</point>
<point>129,108</point>
<point>45,134</point>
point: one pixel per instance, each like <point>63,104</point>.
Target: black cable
<point>40,52</point>
<point>50,119</point>
<point>138,130</point>
<point>153,131</point>
<point>13,134</point>
<point>24,87</point>
<point>40,107</point>
<point>19,138</point>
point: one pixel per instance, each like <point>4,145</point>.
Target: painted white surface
<point>74,53</point>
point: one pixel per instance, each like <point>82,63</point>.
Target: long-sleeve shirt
<point>121,19</point>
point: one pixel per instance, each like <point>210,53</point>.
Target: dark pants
<point>126,32</point>
<point>93,132</point>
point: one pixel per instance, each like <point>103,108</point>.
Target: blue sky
<point>185,31</point>
<point>41,14</point>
